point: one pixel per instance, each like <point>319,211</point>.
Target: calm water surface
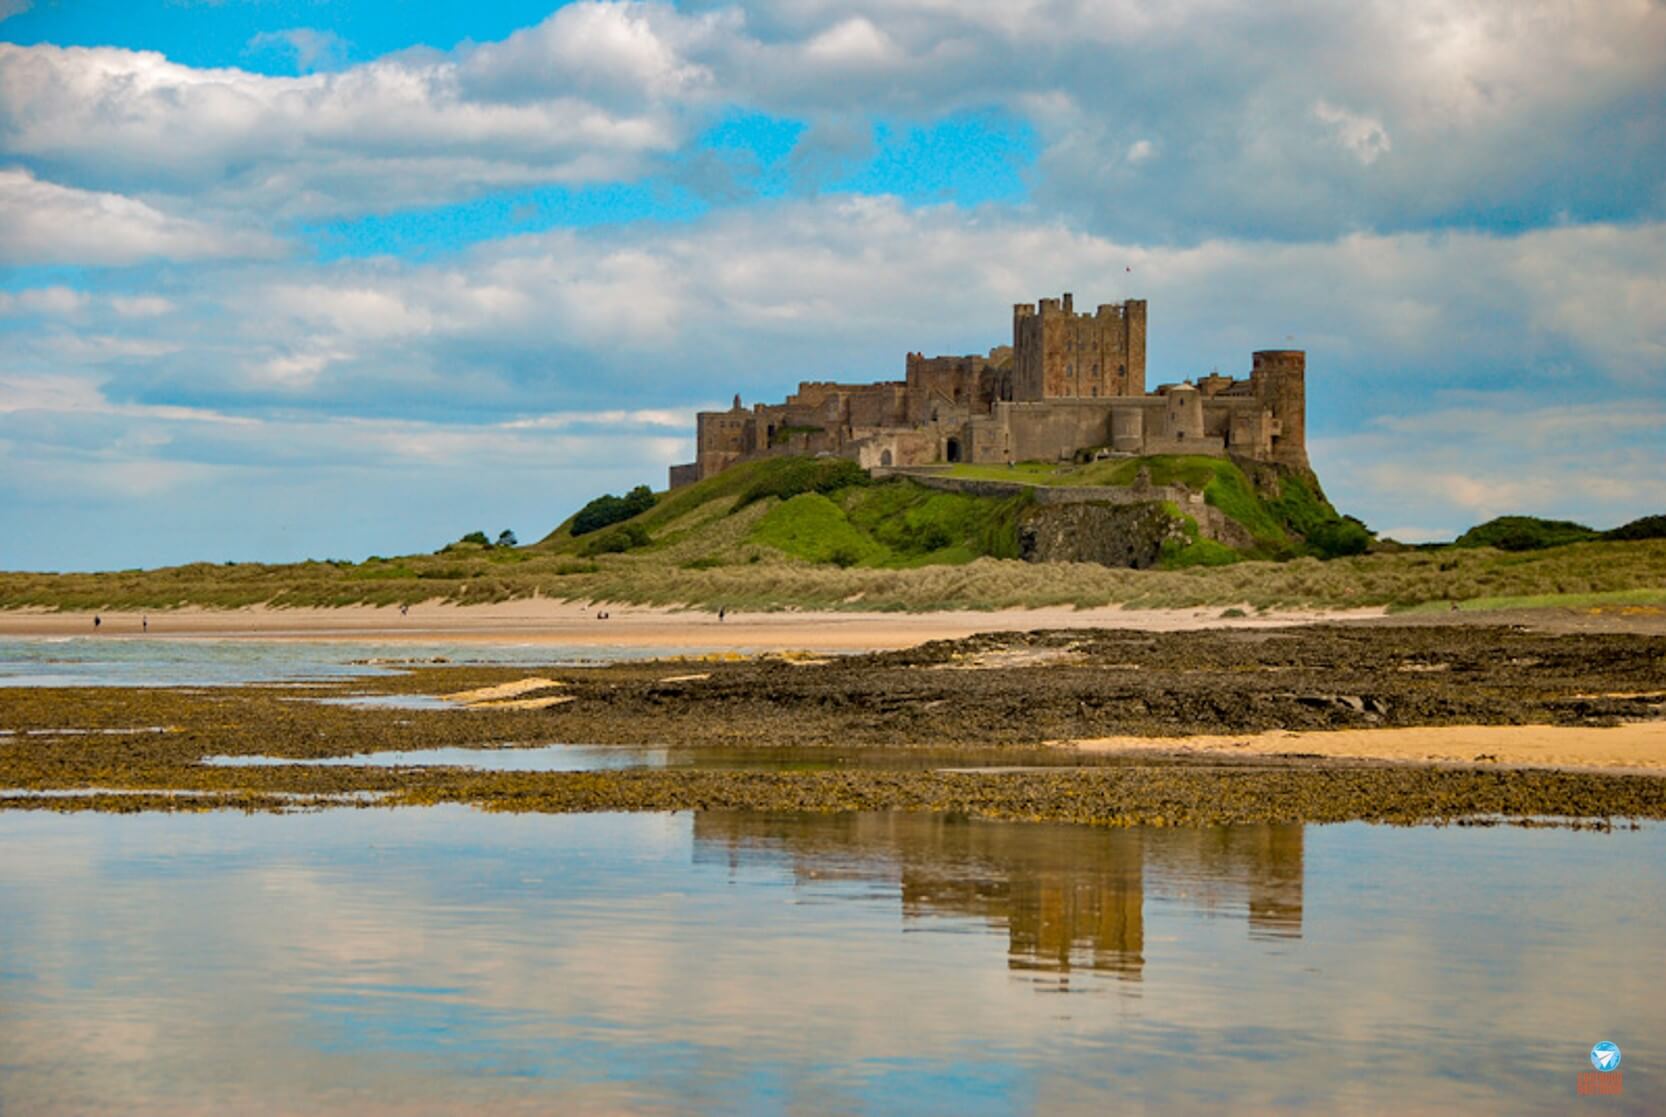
<point>442,960</point>
<point>159,661</point>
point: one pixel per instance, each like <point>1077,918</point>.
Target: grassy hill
<point>800,533</point>
<point>830,511</point>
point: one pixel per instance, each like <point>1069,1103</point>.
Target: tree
<point>507,539</point>
<point>607,510</point>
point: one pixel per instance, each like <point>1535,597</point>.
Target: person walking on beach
<point>722,611</point>
<point>144,624</point>
<point>97,620</point>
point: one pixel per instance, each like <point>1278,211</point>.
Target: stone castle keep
<point>1069,383</point>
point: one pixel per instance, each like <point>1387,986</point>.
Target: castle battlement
<point>1069,382</point>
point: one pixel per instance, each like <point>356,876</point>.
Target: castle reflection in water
<point>1070,897</point>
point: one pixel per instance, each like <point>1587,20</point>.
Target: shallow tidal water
<point>447,960</point>
<point>209,661</point>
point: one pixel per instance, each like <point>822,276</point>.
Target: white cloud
<point>42,300</point>
<point>616,53</point>
<point>853,44</point>
<point>592,94</point>
<point>141,306</point>
<point>45,223</point>
<point>1364,136</point>
<point>756,299</point>
<point>1487,108</point>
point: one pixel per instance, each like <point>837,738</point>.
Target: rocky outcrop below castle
<point>1130,526</point>
<point>1126,535</point>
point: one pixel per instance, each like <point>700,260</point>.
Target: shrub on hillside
<point>607,510</point>
<point>805,475</point>
<point>468,542</point>
<point>1525,533</point>
<point>1339,538</point>
<point>617,541</point>
<point>1649,527</point>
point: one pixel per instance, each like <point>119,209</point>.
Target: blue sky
<point>306,278</point>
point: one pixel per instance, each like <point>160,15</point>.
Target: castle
<point>1069,383</point>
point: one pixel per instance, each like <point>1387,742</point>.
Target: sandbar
<point>1633,745</point>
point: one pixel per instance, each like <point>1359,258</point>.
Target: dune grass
<point>751,575</point>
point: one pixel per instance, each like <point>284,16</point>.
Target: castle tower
<point>1280,380</point>
<point>1059,354</point>
<point>1183,408</point>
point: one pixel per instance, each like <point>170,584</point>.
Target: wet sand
<point>565,623</point>
<point>1635,746</point>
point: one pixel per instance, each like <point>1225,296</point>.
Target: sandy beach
<point>1633,746</point>
<point>566,623</point>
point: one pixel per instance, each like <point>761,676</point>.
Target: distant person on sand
<point>721,613</point>
<point>97,620</point>
<point>144,623</point>
<point>404,610</point>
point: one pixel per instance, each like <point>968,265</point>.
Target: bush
<point>1649,527</point>
<point>1339,538</point>
<point>476,537</point>
<point>607,510</point>
<point>507,539</point>
<point>618,541</point>
<point>1525,533</point>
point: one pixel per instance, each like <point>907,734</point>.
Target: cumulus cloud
<point>754,300</point>
<point>45,223</point>
<point>1277,119</point>
<point>590,95</point>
